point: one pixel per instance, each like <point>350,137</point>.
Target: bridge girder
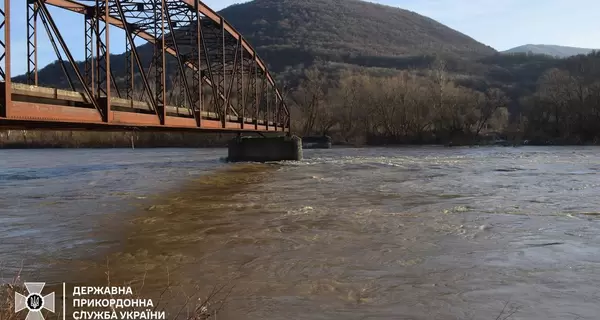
<point>208,53</point>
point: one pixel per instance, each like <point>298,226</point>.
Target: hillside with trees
<point>432,106</point>
<point>290,32</point>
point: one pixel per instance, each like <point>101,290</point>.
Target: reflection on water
<point>409,233</point>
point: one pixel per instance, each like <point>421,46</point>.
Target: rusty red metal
<point>203,44</point>
<point>5,100</point>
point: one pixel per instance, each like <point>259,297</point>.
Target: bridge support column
<point>264,149</point>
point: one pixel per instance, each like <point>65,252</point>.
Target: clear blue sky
<point>502,24</point>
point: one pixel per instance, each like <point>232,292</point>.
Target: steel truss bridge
<point>220,82</point>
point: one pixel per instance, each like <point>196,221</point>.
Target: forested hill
<point>290,32</point>
<point>293,33</point>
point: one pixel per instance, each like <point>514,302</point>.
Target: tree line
<point>408,107</point>
<point>565,109</point>
<point>431,106</point>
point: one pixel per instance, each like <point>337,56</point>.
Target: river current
<point>374,233</point>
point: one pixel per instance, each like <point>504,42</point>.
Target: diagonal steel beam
<point>61,62</point>
<point>136,57</point>
<point>233,73</point>
<point>208,65</point>
<point>46,13</point>
<point>179,62</point>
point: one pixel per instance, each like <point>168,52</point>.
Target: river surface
<point>376,233</point>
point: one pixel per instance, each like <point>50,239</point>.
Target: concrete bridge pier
<point>264,149</point>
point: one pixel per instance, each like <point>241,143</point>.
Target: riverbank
<point>24,139</point>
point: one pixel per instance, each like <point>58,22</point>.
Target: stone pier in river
<point>264,149</point>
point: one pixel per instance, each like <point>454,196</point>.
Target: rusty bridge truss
<point>217,80</point>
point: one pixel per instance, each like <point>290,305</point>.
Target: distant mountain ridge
<point>550,50</point>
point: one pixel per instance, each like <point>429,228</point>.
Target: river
<point>374,233</point>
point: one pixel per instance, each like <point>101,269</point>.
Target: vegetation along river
<point>374,233</point>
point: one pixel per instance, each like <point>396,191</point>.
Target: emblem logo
<point>34,302</point>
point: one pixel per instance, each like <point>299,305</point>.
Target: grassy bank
<point>20,139</point>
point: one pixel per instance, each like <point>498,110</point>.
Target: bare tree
<point>553,94</point>
<point>493,100</point>
<point>310,98</point>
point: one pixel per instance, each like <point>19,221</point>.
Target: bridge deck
<point>41,107</point>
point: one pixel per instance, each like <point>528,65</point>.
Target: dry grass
<point>7,302</point>
<point>194,307</point>
<point>508,311</point>
<point>7,298</point>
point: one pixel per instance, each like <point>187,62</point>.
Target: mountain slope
<point>292,33</point>
<point>550,50</point>
<point>338,28</point>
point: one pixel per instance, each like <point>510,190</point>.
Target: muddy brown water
<point>406,233</point>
